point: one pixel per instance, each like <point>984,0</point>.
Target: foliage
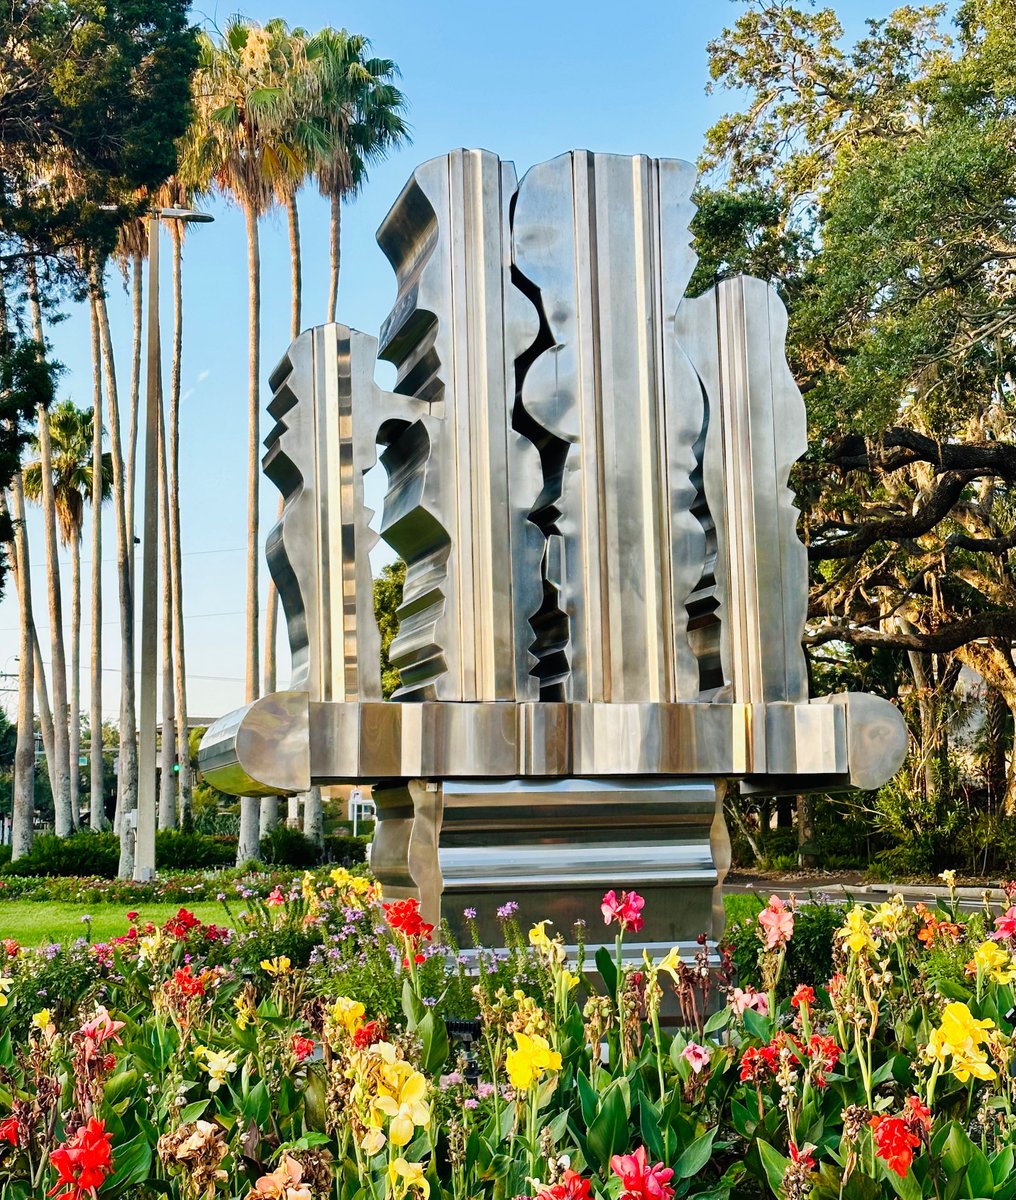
<point>98,854</point>
<point>303,1053</point>
<point>809,955</point>
<point>285,847</point>
<point>387,598</point>
<point>345,850</point>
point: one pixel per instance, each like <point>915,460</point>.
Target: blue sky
<point>527,80</point>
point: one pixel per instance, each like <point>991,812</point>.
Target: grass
<point>36,923</point>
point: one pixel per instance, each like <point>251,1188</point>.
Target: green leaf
<point>587,1099</point>
<point>980,1180</point>
<point>906,1188</point>
<point>119,1085</point>
<point>649,1126</point>
<point>411,1005</point>
<point>773,1162</point>
<point>957,1150</point>
<point>757,1025</point>
<point>132,1163</point>
<point>434,1037</point>
<point>719,1020</point>
<point>608,1134</point>
<point>695,1156</point>
<point>608,970</point>
<point>1002,1164</point>
<point>191,1112</point>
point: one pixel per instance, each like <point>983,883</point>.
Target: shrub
<point>346,851</point>
<point>83,853</point>
<point>809,952</point>
<point>285,847</point>
<point>179,851</point>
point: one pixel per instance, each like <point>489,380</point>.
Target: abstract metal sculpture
<point>605,592</point>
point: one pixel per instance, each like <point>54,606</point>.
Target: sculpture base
<point>554,848</point>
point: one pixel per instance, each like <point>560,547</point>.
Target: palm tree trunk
<point>74,745</point>
<point>335,253</point>
<point>97,790</point>
<point>167,783</point>
<point>42,700</point>
<point>23,805</point>
<point>59,765</point>
<point>175,560</point>
<point>247,845</point>
<point>137,293</point>
<point>293,812</point>
<point>127,778</point>
<point>313,816</point>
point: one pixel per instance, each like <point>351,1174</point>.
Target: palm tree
<point>246,136</point>
<point>363,113</point>
<point>70,434</point>
<point>23,802</point>
<point>59,760</point>
<point>96,774</point>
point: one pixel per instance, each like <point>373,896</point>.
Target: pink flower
<point>626,910</point>
<point>749,998</point>
<point>275,896</point>
<point>697,1055</point>
<point>641,1181</point>
<point>1005,926</point>
<point>101,1028</point>
<point>778,922</point>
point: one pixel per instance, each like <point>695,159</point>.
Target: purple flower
<point>469,914</point>
<point>485,1090</point>
<point>86,919</point>
<point>471,1102</point>
<point>450,1080</point>
<point>220,896</point>
<point>429,1001</point>
<point>507,910</point>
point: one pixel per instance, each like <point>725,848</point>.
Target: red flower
<point>9,1131</point>
<point>626,910</point>
<point>83,1163</point>
<point>918,1117</point>
<point>417,958</point>
<point>404,917</point>
<point>803,995</point>
<point>181,924</point>
<point>826,1053</point>
<point>365,1035</point>
<point>571,1187</point>
<point>639,1180</point>
<point>803,1156</point>
<point>275,897</point>
<point>187,983</point>
<point>303,1047</point>
<point>894,1143</point>
<point>11,947</point>
<point>132,916</point>
<point>758,1062</point>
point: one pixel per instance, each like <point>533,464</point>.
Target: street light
<point>144,843</point>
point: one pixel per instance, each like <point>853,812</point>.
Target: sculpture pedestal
<point>554,848</point>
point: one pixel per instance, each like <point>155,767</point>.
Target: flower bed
<point>326,1046</point>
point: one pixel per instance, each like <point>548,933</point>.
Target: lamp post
<point>144,844</point>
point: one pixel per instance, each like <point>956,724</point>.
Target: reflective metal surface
<point>605,593</point>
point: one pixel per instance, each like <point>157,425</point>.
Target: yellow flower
<point>948,877</point>
<point>373,1142</point>
<point>348,1014</point>
<point>5,987</point>
<point>402,1098</point>
<point>570,981</point>
<point>276,966</point>
<point>218,1064</point>
<point>531,1057</point>
<point>538,934</point>
<point>992,960</point>
<point>890,916</point>
<point>42,1019</point>
<point>855,932</point>
<point>959,1025</point>
<point>246,1013</point>
<point>341,877</point>
<point>150,946</point>
<point>971,1062</point>
<point>670,962</point>
<point>405,1175</point>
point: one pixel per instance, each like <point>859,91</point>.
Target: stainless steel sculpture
<point>605,592</point>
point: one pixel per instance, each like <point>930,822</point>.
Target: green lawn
<point>37,923</point>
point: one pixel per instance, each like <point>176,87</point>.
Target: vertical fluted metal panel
<point>604,240</point>
<point>446,238</point>
<point>734,336</point>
